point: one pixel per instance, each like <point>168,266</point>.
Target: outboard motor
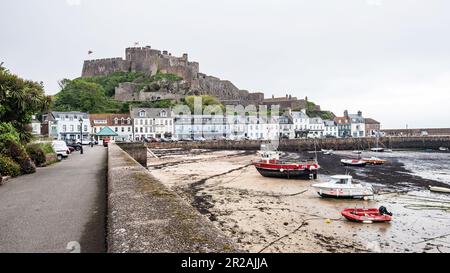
<point>383,211</point>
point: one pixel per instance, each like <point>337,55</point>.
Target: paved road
<point>65,202</point>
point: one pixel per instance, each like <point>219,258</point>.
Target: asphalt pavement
<point>60,208</point>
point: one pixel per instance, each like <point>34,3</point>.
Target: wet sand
<point>278,215</point>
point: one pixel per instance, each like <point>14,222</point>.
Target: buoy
<point>328,221</point>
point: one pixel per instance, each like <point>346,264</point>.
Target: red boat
<point>270,165</point>
<point>367,215</point>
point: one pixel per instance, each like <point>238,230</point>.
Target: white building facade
<point>152,123</point>
<point>330,129</point>
<point>358,125</point>
<point>69,125</point>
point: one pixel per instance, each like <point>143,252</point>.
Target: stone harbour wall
<point>144,216</point>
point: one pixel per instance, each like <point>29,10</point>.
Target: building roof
<point>151,112</point>
<point>73,113</point>
<point>354,118</point>
<point>106,131</point>
<point>341,120</point>
<point>109,119</point>
<point>299,115</point>
<point>316,120</point>
<point>329,123</point>
<point>371,121</point>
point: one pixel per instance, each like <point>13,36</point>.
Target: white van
<point>61,149</point>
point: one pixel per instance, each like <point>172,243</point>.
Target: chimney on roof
<point>287,96</point>
<point>360,113</point>
<point>273,96</point>
<point>346,113</point>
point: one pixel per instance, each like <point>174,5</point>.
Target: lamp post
<point>81,134</point>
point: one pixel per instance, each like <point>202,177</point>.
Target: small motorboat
<point>374,161</point>
<point>377,150</point>
<point>354,162</point>
<point>343,186</point>
<point>367,216</point>
<point>270,165</point>
<point>327,152</point>
<point>443,149</point>
<point>357,152</point>
<point>440,189</point>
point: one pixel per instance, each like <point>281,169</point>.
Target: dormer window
<point>116,121</point>
<point>129,121</point>
<point>122,121</point>
<point>141,113</point>
<point>163,114</point>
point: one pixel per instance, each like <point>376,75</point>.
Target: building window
<point>116,121</point>
<point>64,128</point>
<point>142,113</point>
<point>123,129</point>
<point>71,128</point>
<point>116,129</point>
<point>85,128</point>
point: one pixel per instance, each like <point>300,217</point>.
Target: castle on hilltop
<point>150,61</point>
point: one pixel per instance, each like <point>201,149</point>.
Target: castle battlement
<point>104,60</point>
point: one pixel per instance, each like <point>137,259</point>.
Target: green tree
<point>110,82</point>
<point>206,101</point>
<point>84,96</point>
<point>19,100</point>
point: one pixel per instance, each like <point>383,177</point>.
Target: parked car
<point>163,139</point>
<point>199,138</point>
<point>73,145</point>
<point>85,142</point>
<point>61,149</point>
<point>106,142</point>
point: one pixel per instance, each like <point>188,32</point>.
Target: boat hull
<point>363,164</point>
<point>344,193</point>
<point>288,174</point>
<point>365,216</point>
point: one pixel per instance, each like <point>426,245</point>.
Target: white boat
<point>357,152</point>
<point>327,152</point>
<point>354,162</point>
<point>377,150</point>
<point>443,149</point>
<point>440,189</point>
<point>343,186</point>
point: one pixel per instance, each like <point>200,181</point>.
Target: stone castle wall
<point>104,67</point>
<point>150,61</point>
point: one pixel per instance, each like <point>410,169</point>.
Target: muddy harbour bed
<point>279,215</point>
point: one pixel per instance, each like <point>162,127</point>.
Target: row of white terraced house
<point>144,123</point>
<point>163,122</point>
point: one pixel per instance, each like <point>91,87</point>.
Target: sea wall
<point>144,216</point>
<point>293,145</point>
<point>138,151</point>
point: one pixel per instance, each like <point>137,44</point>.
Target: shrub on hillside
<point>36,154</point>
<point>18,153</point>
<point>40,152</point>
<point>8,167</point>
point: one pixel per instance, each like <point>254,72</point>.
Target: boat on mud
<point>377,150</point>
<point>367,216</point>
<point>440,189</point>
<point>374,161</point>
<point>353,162</point>
<point>270,165</point>
<point>327,152</point>
<point>443,149</point>
<point>343,186</point>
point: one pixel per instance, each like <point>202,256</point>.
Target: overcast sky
<point>387,58</point>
